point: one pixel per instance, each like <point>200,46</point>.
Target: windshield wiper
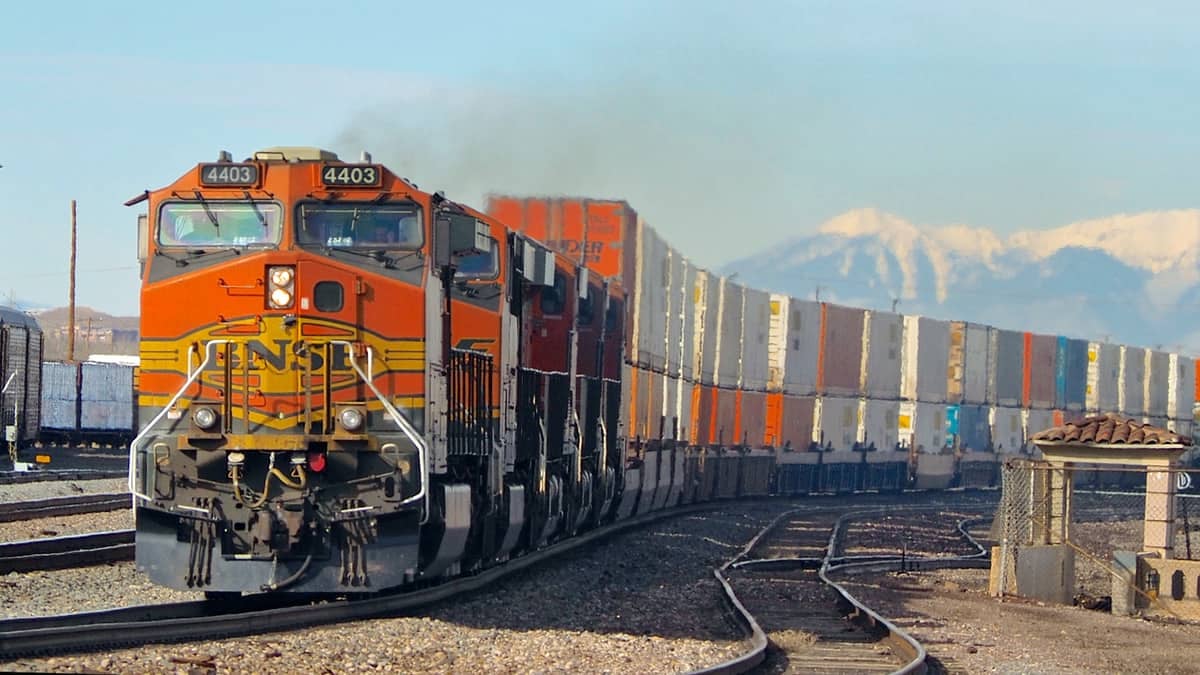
<point>179,262</point>
<point>207,211</point>
<point>254,205</point>
<point>378,255</point>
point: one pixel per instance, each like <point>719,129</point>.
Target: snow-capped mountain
<point>1134,278</point>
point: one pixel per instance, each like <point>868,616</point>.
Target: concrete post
<point>1058,517</point>
<point>1159,533</point>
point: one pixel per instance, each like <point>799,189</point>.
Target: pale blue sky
<point>728,128</point>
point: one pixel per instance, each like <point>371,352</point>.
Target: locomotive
<point>349,384</point>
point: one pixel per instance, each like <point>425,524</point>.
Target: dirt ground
<point>967,631</point>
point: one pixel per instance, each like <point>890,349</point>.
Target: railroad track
<point>79,550</point>
<point>63,506</point>
<point>265,613</point>
<point>11,477</point>
<point>800,620</point>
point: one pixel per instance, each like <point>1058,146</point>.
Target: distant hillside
<point>1134,279</point>
<point>95,333</point>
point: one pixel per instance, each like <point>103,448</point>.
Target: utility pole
<point>818,292</point>
<point>895,301</point>
<point>71,300</point>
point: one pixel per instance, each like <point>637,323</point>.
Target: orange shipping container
<point>753,419</point>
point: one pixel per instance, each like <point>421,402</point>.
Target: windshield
<point>209,223</point>
<point>478,265</point>
<point>360,225</point>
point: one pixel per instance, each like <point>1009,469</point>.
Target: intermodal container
<point>670,398</point>
<point>1008,430</point>
<point>708,315</point>
<point>1133,381</point>
<point>684,413</point>
<point>1158,369</point>
<point>837,421</point>
<point>703,414</point>
<point>978,370</point>
<point>840,372</point>
<point>974,428</point>
<point>879,425</point>
<point>884,341</point>
<point>803,353</point>
<point>60,395</point>
<point>956,362</point>
<point>731,324</point>
<point>105,397</point>
<point>674,306</point>
<point>777,342</point>
<point>1103,378</point>
<point>21,371</point>
<point>925,359</point>
<point>1009,357</point>
<point>726,418</point>
<point>599,232</point>
<point>1036,420</point>
<point>796,422</point>
<point>1181,387</point>
<point>1073,363</point>
<point>688,342</point>
<point>922,426</point>
<point>753,419</point>
<point>756,319</point>
<point>652,289</point>
<point>1039,370</point>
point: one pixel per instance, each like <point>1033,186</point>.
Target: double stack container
<point>883,344</point>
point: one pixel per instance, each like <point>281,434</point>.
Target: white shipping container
<point>835,422</point>
<point>977,367</point>
<point>883,335</point>
<point>690,357</point>
<point>1181,390</point>
<point>684,413</point>
<point>729,344</point>
<point>925,359</point>
<point>956,361</point>
<point>653,277</point>
<point>58,395</point>
<point>756,325</point>
<point>922,425</point>
<point>106,397</point>
<point>1158,371</point>
<point>777,342</point>
<point>674,312</point>
<point>1008,430</point>
<point>1103,377</point>
<point>670,407</point>
<point>880,424</point>
<point>1132,379</point>
<point>803,347</point>
<point>708,314</point>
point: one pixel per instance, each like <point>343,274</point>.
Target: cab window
<point>360,225</point>
<point>479,265</point>
<point>208,224</point>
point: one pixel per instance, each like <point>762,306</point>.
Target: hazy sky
<point>728,127</point>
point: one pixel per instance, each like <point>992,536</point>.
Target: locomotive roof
<point>16,317</point>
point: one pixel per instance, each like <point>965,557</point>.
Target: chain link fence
<point>1108,511</point>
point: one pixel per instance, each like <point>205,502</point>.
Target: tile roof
<point>1110,429</point>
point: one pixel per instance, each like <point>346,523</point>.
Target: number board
<point>229,174</point>
<point>351,175</point>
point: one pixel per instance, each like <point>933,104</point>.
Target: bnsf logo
<point>283,355</point>
<point>574,247</point>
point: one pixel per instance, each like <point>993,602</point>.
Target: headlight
<point>281,286</point>
<point>351,418</point>
<point>281,298</point>
<point>205,418</point>
<point>281,276</point>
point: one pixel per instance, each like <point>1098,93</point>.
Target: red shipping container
<point>753,419</point>
<point>796,422</point>
<point>839,371</point>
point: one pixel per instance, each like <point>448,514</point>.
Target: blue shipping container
<point>1060,373</point>
<point>974,428</point>
<point>1077,369</point>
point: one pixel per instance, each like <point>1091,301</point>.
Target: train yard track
<point>63,506</point>
<point>800,620</point>
<point>213,619</point>
<point>14,477</point>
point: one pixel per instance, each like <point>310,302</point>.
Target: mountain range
<point>1131,279</point>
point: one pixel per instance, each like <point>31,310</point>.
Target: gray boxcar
<point>20,375</point>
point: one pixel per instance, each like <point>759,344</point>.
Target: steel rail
<point>79,550</point>
<point>63,506</point>
<point>43,475</point>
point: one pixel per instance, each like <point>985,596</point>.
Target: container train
<point>349,384</point>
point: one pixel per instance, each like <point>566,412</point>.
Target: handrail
<point>193,375</point>
<point>401,421</point>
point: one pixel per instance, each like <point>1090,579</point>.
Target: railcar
<point>20,376</point>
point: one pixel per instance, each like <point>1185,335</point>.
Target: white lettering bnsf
<point>288,355</point>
